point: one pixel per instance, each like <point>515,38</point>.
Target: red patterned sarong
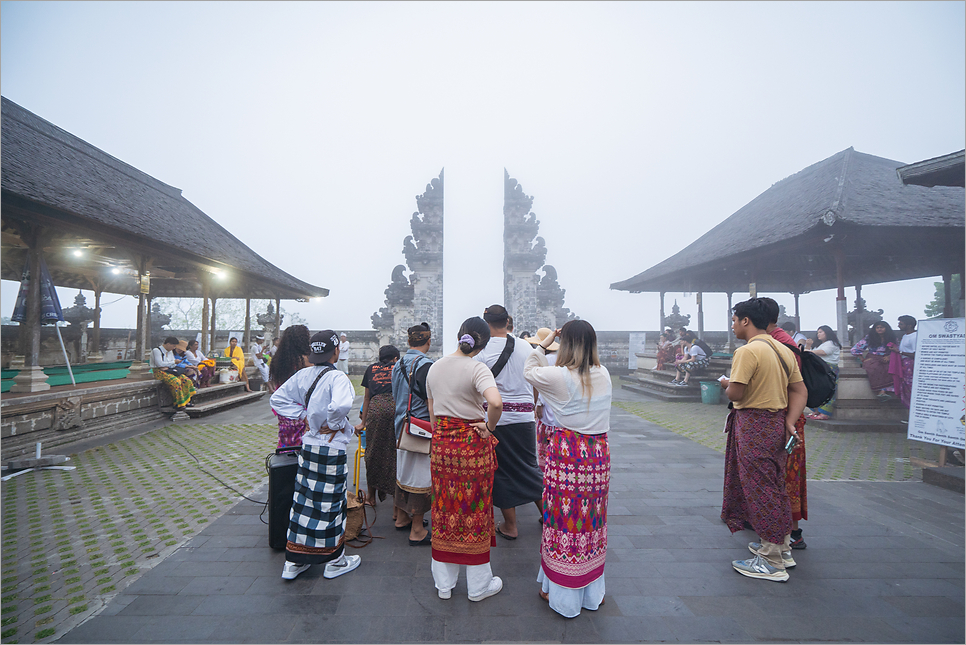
<point>573,547</point>
<point>754,479</point>
<point>795,476</point>
<point>544,432</point>
<point>462,465</point>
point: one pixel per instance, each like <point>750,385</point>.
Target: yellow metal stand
<point>360,453</point>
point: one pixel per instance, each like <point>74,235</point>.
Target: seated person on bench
<point>164,368</point>
<point>698,356</point>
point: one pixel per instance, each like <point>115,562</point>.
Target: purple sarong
<point>754,479</point>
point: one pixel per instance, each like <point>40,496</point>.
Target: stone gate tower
<point>532,300</point>
<point>418,297</point>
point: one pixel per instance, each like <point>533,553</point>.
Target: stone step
<point>661,389</point>
<point>217,391</point>
<point>223,403</point>
<point>847,425</point>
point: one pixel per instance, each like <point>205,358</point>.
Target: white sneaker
<point>291,570</point>
<point>445,594</point>
<point>496,584</point>
<point>346,564</point>
<point>758,567</point>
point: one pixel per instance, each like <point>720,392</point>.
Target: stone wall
<point>56,418</point>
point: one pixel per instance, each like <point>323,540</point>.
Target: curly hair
<point>290,356</point>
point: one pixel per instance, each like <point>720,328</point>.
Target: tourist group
<point>506,421</point>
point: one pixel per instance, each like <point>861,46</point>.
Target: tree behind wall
<point>938,304</point>
<point>186,313</point>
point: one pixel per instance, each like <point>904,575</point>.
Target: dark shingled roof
<point>947,170</point>
<point>785,239</point>
<point>50,176</point>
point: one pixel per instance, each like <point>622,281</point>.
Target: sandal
<point>504,535</point>
<point>819,417</point>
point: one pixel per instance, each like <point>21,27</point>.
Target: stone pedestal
<point>856,402</point>
<point>96,357</point>
<point>30,379</point>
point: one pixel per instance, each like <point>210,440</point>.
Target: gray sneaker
<point>758,567</point>
<point>787,559</point>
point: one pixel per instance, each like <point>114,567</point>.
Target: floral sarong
<point>181,387</point>
<point>795,481</point>
<point>462,465</point>
<point>901,369</point>
<point>573,545</point>
<point>754,479</point>
<point>316,526</point>
<point>290,431</point>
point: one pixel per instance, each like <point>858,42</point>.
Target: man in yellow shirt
<point>768,396</point>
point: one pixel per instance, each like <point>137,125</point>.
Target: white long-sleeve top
<point>195,358</point>
<point>161,357</point>
<point>561,391</point>
<point>329,406</point>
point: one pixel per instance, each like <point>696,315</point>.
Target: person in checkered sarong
<point>323,396</point>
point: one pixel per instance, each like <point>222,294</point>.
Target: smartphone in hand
<point>792,444</point>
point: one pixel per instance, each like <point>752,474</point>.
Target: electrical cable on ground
<point>229,487</point>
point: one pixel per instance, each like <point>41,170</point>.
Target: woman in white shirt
<point>905,356</point>
<point>829,349</point>
<point>577,470</point>
<point>205,366</point>
<point>462,464</point>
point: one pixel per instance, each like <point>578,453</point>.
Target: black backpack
<point>818,376</point>
<point>706,348</point>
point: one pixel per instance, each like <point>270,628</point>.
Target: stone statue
<point>267,322</point>
<point>677,320</point>
<point>860,319</point>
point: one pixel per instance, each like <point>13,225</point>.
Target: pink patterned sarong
<point>576,481</point>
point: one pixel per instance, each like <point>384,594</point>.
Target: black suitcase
<point>281,489</point>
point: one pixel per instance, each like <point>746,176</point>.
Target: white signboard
<point>636,344</point>
<point>937,410</point>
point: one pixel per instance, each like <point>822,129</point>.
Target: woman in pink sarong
<point>902,362</point>
<point>576,478</point>
<point>292,355</point>
<point>874,351</point>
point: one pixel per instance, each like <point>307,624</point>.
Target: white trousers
<point>263,371</point>
<point>478,576</point>
<point>343,365</point>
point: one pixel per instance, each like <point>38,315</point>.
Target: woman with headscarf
<point>292,356</point>
<point>378,411</point>
<point>463,463</point>
<point>573,548</point>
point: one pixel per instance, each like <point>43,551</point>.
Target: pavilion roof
<point>93,200</point>
<point>785,239</point>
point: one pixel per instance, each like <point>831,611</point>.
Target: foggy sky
<point>307,129</point>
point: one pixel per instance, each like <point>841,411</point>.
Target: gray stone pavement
<point>884,563</point>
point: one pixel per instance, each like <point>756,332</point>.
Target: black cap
<point>495,314</point>
<point>322,345</point>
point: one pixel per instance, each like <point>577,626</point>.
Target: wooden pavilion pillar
<point>859,318</point>
<point>204,317</point>
<point>248,324</point>
<point>32,378</point>
<point>948,310</point>
<point>700,316</point>
<point>661,328</point>
<point>137,365</point>
<point>798,318</point>
<point>841,307</point>
<point>278,316</point>
<point>731,336</point>
<point>212,329</point>
<point>148,344</point>
<point>96,356</point>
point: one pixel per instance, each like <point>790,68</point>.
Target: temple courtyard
<point>144,542</point>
